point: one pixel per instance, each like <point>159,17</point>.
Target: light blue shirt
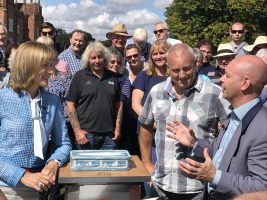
<point>235,117</point>
<point>73,60</point>
<point>17,138</point>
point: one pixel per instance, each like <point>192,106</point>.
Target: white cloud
<point>124,2</point>
<point>162,4</point>
<point>98,19</point>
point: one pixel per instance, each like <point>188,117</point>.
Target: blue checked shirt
<point>73,60</point>
<point>197,109</point>
<point>16,134</point>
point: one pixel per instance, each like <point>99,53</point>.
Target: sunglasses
<point>159,31</point>
<point>237,31</point>
<point>132,56</point>
<point>49,33</point>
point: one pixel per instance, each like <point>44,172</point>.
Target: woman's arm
<point>137,97</point>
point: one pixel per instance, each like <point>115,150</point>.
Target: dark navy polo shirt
<point>96,100</point>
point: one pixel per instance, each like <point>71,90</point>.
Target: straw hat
<point>259,40</point>
<point>118,29</point>
<point>224,50</point>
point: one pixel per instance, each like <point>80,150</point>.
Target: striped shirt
<point>198,109</point>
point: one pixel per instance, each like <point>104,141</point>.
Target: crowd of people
<point>196,119</point>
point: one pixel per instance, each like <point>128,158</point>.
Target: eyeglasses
<point>115,61</point>
<point>132,56</point>
<point>225,58</point>
<point>49,33</point>
<point>237,31</point>
<point>159,31</point>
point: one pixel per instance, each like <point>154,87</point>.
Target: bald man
<point>237,34</point>
<point>184,96</point>
<point>239,158</point>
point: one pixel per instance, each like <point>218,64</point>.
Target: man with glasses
<point>118,36</point>
<point>48,29</point>
<point>237,33</point>
<point>206,47</point>
<point>161,32</point>
<point>225,54</point>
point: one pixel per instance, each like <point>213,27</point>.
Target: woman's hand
<point>35,180</point>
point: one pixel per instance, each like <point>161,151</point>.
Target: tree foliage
<point>192,20</point>
<point>63,38</point>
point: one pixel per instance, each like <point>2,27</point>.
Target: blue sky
<point>98,16</point>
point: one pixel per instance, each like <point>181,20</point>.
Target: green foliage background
<point>192,20</point>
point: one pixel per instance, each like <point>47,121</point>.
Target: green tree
<point>192,20</point>
<point>63,38</point>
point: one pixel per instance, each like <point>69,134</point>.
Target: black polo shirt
<point>96,100</point>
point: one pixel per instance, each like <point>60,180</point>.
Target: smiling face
<point>223,61</point>
<point>114,64</point>
<point>43,75</point>
<point>159,57</point>
<point>182,68</point>
<point>133,57</point>
<point>77,42</point>
<point>3,36</point>
<point>96,61</point>
<point>118,42</point>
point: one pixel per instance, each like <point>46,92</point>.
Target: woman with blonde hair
<point>28,117</point>
<point>155,73</point>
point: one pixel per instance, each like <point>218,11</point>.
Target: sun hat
<point>118,29</point>
<point>259,40</point>
<point>224,50</point>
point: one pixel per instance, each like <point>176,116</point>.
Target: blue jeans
<point>99,141</point>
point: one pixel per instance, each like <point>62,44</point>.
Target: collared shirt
<point>263,95</point>
<point>239,50</point>
<point>95,99</point>
<point>73,60</point>
<point>235,117</point>
<point>172,41</point>
<point>16,134</point>
<point>197,109</point>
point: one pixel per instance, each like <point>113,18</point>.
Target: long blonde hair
<point>159,44</point>
<point>27,61</point>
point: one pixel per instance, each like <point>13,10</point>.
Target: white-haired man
<point>140,37</point>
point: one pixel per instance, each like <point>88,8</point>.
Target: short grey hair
<point>162,22</point>
<point>140,34</point>
<point>46,40</point>
<point>94,47</point>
